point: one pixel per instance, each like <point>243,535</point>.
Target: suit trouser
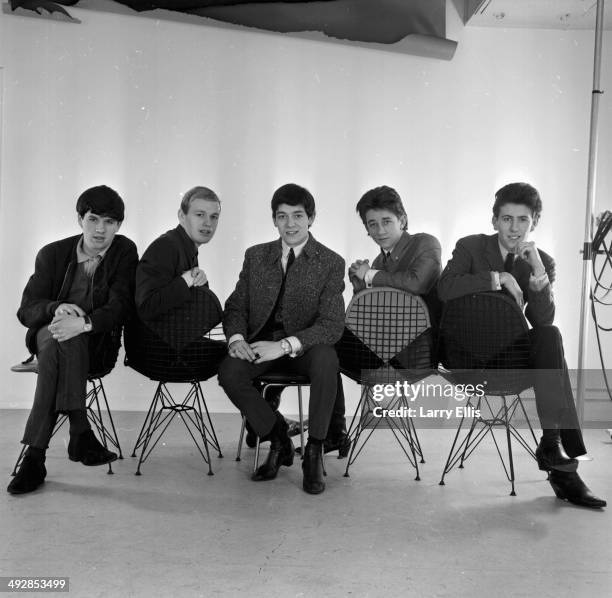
<point>319,363</point>
<point>60,385</point>
<point>553,390</point>
<point>337,423</point>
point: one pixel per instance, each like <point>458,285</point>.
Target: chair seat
<point>283,378</point>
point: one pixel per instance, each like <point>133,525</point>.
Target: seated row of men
<point>286,312</point>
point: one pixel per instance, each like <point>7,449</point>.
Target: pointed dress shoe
<point>31,475</point>
<point>312,466</point>
<point>569,486</point>
<point>280,454</point>
<point>87,449</point>
<point>551,456</point>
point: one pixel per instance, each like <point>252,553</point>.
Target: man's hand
<point>358,269</point>
<point>69,309</point>
<point>267,351</point>
<point>195,277</point>
<point>529,252</point>
<point>64,327</point>
<point>509,283</point>
<point>240,349</point>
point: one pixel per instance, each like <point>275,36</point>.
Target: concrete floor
<point>175,531</point>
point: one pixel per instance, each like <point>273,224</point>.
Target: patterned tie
<point>290,260</point>
<point>509,262</point>
<point>386,257</point>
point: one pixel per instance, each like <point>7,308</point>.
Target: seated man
<point>408,262</point>
<point>169,269</point>
<point>509,262</point>
<point>286,313</point>
<point>74,306</point>
<point>169,266</point>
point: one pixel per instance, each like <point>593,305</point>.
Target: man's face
<point>384,227</point>
<point>292,223</point>
<point>200,222</point>
<point>513,225</point>
<point>98,232</point>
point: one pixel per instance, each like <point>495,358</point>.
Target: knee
<point>231,372</point>
<point>548,335</point>
<point>323,358</point>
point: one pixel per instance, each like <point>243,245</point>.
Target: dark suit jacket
<point>111,298</point>
<point>469,271</point>
<point>312,305</point>
<point>414,266</point>
<point>160,286</point>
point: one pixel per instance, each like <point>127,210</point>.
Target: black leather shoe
<point>340,443</point>
<point>312,466</point>
<point>87,449</point>
<point>551,456</point>
<point>280,454</point>
<point>31,475</point>
<point>569,486</point>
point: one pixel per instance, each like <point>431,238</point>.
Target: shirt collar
<point>83,257</point>
<point>502,249</point>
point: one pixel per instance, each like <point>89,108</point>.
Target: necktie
<point>290,260</point>
<point>509,262</point>
<point>386,257</point>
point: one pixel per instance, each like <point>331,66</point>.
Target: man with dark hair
<point>286,313</point>
<point>507,261</point>
<point>74,306</point>
<point>169,266</point>
<point>407,262</point>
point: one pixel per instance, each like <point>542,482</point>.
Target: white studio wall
<point>152,108</point>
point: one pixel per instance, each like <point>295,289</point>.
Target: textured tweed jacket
<point>469,271</point>
<point>312,305</point>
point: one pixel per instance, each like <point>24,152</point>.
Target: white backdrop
<point>153,107</point>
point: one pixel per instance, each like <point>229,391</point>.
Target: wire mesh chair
<point>387,339</point>
<point>96,403</point>
<point>186,345</point>
<point>484,340</point>
<point>265,382</point>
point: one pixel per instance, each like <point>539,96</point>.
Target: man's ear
<point>403,222</point>
<point>181,215</point>
<point>535,221</point>
<point>494,222</point>
<point>311,220</point>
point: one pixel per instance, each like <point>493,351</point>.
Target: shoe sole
<point>567,468</point>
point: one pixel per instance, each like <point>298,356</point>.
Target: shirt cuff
<point>495,281</point>
<point>235,337</point>
<point>296,345</point>
<point>537,283</point>
<point>369,276</point>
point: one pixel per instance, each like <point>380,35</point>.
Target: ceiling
<point>535,14</point>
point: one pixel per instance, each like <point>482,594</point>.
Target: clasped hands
<point>257,352</point>
<point>357,272</point>
<point>67,322</point>
<point>195,277</point>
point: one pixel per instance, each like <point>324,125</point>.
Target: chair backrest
<point>485,337</point>
<point>387,337</point>
<point>185,344</point>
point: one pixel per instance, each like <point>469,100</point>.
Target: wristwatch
<point>88,325</point>
<point>285,346</point>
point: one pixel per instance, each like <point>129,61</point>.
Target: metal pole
<point>588,223</point>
